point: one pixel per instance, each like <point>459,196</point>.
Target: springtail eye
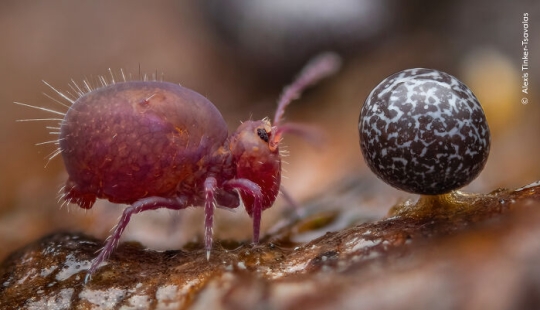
<point>262,134</point>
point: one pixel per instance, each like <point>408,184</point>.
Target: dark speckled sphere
<point>423,131</point>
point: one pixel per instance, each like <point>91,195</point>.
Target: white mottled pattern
<point>423,131</point>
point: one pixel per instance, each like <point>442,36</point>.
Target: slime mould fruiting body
<point>423,131</point>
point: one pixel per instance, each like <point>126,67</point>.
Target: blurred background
<point>240,54</point>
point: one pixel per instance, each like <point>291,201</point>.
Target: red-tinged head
<point>255,144</point>
<point>257,161</point>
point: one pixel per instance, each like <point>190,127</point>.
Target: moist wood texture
<point>460,252</point>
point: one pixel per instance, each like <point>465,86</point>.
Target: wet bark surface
<point>455,251</point>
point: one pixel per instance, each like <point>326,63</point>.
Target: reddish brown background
<point>56,41</point>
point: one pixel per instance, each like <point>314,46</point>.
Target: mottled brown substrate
<point>465,252</point>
